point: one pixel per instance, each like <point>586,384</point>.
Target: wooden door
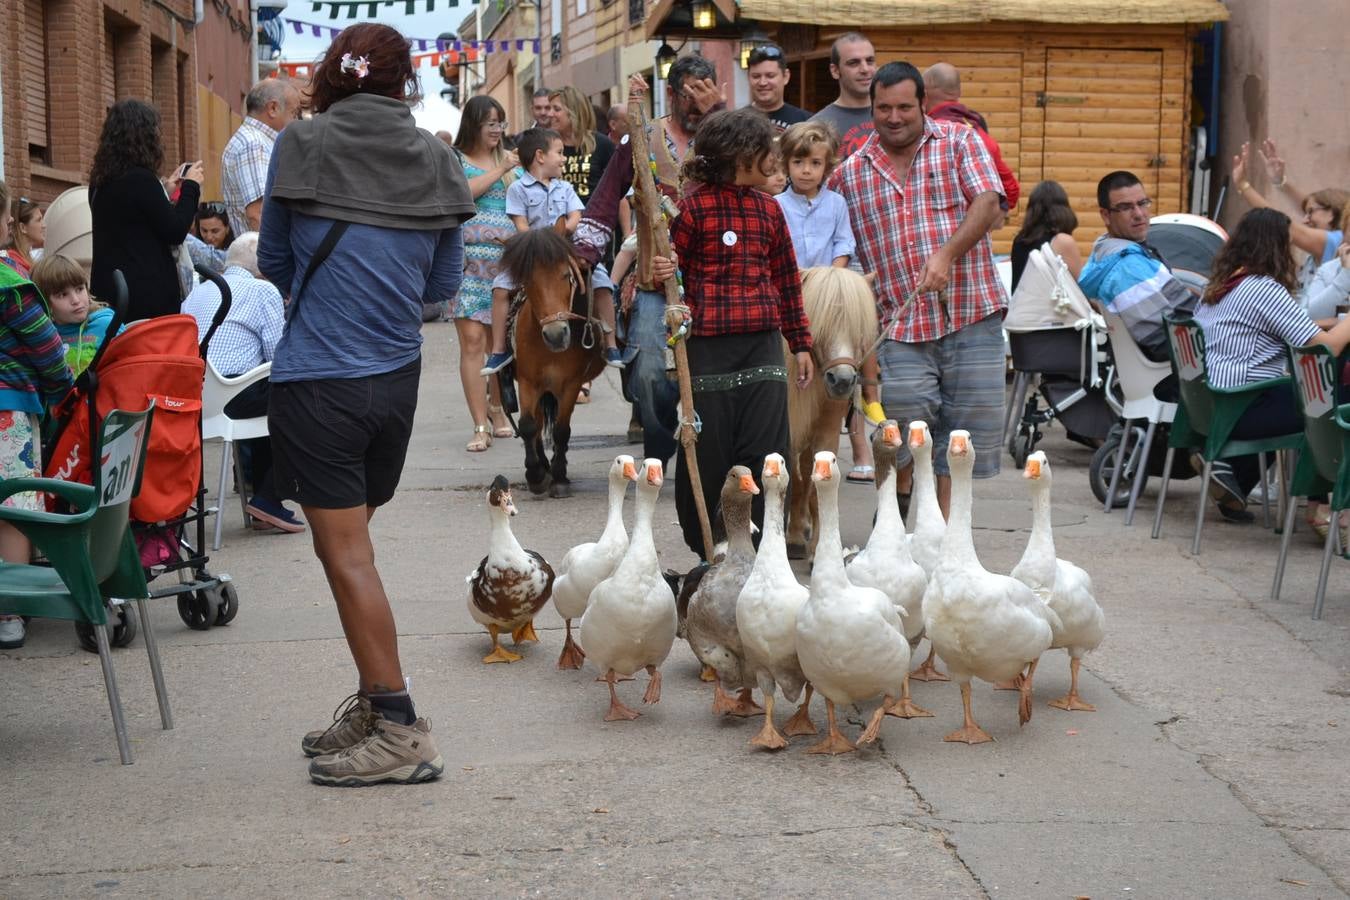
<point>1103,110</point>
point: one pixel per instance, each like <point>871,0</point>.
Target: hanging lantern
<point>703,13</point>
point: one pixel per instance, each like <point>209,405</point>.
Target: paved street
<point>1215,766</point>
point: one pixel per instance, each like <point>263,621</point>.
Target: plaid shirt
<point>740,273</point>
<point>243,169</point>
<point>248,336</point>
<point>898,226</point>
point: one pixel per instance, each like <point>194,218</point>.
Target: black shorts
<point>338,443</point>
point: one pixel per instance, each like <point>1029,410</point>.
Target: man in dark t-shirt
<point>768,74</point>
<point>853,62</point>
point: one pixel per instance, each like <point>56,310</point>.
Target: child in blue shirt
<point>817,217</point>
<point>82,328</point>
<point>537,200</point>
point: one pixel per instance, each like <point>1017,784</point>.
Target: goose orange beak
<point>748,485</point>
<point>772,469</point>
<point>916,438</point>
<point>822,470</point>
<point>630,471</point>
<point>959,444</point>
<point>1033,469</point>
<point>891,435</point>
<point>654,476</point>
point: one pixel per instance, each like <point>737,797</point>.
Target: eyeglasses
<point>1142,206</point>
<point>764,54</point>
<point>495,126</point>
<point>211,209</point>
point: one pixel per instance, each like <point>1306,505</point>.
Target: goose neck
<point>958,542</point>
<point>614,529</point>
<point>1042,531</point>
<point>829,559</point>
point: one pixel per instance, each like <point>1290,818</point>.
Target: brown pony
<point>551,362</point>
<point>843,314</point>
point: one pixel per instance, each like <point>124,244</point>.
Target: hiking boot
<point>12,633</point>
<point>495,363</point>
<point>352,723</point>
<point>402,754</point>
<point>274,513</point>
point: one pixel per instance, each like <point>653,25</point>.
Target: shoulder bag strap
<point>321,252</point>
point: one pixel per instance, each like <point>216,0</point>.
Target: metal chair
<point>92,553</point>
<point>216,426</point>
<point>1206,417</point>
<point>1137,376</point>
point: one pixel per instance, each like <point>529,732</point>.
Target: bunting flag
<point>435,44</point>
<point>454,53</point>
<point>372,7</point>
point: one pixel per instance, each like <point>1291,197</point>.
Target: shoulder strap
<point>321,252</point>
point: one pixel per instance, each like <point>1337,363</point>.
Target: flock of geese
<point>848,635</point>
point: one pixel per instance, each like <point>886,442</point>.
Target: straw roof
<point>901,13</point>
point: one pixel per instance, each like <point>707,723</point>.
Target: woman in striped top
<point>1249,315</point>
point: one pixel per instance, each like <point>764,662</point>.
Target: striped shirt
<point>1247,330</point>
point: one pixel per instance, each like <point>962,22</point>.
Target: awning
<point>901,13</point>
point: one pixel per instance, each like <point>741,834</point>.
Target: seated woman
<point>1051,218</point>
<point>213,225</point>
<point>1249,315</point>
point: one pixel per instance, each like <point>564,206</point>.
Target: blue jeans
<point>657,396</point>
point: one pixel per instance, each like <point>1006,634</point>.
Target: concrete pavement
<point>1215,766</point>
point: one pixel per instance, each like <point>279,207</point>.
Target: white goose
<point>511,584</point>
<point>927,525</point>
<point>766,616</point>
<point>629,623</point>
<point>586,565</point>
<point>1064,587</point>
<point>850,642</point>
<point>982,624</point>
<point>885,563</point>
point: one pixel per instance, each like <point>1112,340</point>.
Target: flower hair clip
<point>358,66</point>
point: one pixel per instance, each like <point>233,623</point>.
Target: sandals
<point>860,475</point>
<point>482,439</point>
<point>584,395</point>
<point>501,431</point>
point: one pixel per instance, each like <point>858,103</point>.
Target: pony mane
<point>538,248</point>
<point>840,301</point>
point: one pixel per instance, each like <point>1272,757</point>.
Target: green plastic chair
<point>1207,415</point>
<point>92,553</point>
<point>1315,371</point>
<point>1340,499</point>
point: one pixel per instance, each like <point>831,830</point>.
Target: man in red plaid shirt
<point>923,196</point>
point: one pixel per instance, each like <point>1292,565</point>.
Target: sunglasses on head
<point>764,54</point>
<point>213,208</point>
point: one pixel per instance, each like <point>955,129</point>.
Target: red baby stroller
<point>160,360</point>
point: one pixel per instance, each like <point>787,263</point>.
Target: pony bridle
<point>576,280</point>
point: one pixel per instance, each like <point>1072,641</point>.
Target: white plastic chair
<point>1138,376</point>
<point>216,426</point>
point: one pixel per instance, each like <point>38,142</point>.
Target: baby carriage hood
<point>158,360</point>
<point>1047,296</point>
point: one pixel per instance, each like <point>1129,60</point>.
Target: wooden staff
<point>648,201</point>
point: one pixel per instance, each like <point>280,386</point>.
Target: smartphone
<point>183,170</point>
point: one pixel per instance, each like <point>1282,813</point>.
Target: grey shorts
<point>951,383</point>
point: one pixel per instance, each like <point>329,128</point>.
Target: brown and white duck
<point>711,625</point>
<point>511,584</point>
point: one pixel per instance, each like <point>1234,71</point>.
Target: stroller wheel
<point>229,603</point>
<point>1022,443</point>
<point>198,609</point>
<point>124,627</point>
<point>1103,467</point>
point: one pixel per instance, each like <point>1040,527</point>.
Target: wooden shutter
<point>33,59</point>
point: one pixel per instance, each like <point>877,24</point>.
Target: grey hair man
<point>269,106</point>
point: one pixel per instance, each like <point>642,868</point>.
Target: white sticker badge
<point>729,238</point>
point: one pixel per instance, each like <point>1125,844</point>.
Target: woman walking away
<point>136,228</point>
<point>1249,314</point>
<point>745,297</point>
<point>490,169</point>
<point>361,225</point>
<point>1049,219</point>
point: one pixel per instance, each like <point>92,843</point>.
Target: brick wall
<point>93,52</point>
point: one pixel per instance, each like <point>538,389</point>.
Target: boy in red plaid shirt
<point>745,298</point>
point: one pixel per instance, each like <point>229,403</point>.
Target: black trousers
<point>256,453</point>
<point>1273,413</point>
<point>744,416</point>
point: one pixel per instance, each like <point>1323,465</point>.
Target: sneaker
<point>614,357</point>
<point>404,754</point>
<point>352,722</point>
<point>12,633</point>
<point>274,513</point>
<point>1223,484</point>
<point>496,362</point>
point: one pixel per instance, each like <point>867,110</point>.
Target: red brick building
<point>75,59</point>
